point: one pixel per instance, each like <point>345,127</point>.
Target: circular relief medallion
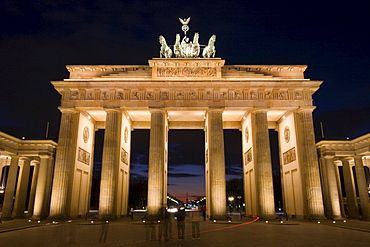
<point>286,134</point>
<point>126,134</point>
<point>85,134</point>
<point>246,134</point>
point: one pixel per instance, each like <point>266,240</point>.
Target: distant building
<point>18,160</point>
<point>345,163</point>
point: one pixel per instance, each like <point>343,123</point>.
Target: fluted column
<point>349,186</point>
<point>309,163</point>
<point>22,187</point>
<point>362,188</point>
<point>156,179</point>
<point>332,187</point>
<point>264,182</point>
<point>337,163</point>
<point>110,164</point>
<point>35,175</point>
<point>65,158</point>
<point>10,189</point>
<point>42,188</point>
<point>216,160</point>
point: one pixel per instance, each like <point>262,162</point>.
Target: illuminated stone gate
<point>187,93</point>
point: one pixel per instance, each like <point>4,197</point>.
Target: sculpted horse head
<point>165,49</point>
<point>210,49</point>
<point>212,40</point>
<point>177,47</point>
<point>196,38</point>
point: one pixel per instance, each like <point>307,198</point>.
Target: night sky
<point>38,38</point>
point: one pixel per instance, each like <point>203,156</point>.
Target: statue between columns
<point>187,48</point>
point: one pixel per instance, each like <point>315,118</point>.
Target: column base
<point>58,217</point>
<point>219,217</point>
<point>317,217</point>
<point>7,218</point>
<point>268,217</point>
<point>336,217</point>
<point>365,218</point>
<point>107,217</point>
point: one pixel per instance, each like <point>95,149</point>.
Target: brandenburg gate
<point>181,90</point>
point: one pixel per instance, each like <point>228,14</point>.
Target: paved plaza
<point>128,232</point>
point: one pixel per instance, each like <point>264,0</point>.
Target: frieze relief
<point>83,156</point>
<point>207,94</point>
<point>124,156</point>
<point>248,156</point>
<point>186,72</point>
<point>289,156</point>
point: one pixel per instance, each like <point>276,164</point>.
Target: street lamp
<point>231,199</point>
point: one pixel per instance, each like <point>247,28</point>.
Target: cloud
<point>234,170</point>
<point>183,175</point>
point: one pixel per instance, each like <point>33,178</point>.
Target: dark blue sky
<point>38,38</point>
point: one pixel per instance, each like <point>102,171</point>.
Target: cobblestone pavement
<point>135,233</point>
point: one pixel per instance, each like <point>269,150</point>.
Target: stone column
<point>325,186</point>
<point>110,164</point>
<point>10,189</point>
<point>362,188</point>
<point>338,163</point>
<point>216,161</point>
<point>263,166</point>
<point>156,179</point>
<point>35,175</point>
<point>22,187</point>
<point>350,189</point>
<point>43,181</point>
<point>65,159</point>
<point>309,163</point>
<point>332,187</point>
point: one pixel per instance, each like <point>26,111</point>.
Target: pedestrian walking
<point>180,217</point>
<point>195,218</point>
<point>204,212</point>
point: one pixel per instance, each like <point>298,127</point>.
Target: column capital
<point>25,158</point>
<point>346,158</point>
<point>112,110</point>
<point>216,110</point>
<point>259,110</point>
<point>328,155</point>
<point>306,109</point>
<point>152,110</point>
<point>357,157</point>
<point>67,110</point>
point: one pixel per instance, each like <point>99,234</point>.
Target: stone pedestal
<point>65,158</point>
<point>264,183</point>
<point>156,173</point>
<point>216,167</point>
<point>110,165</point>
